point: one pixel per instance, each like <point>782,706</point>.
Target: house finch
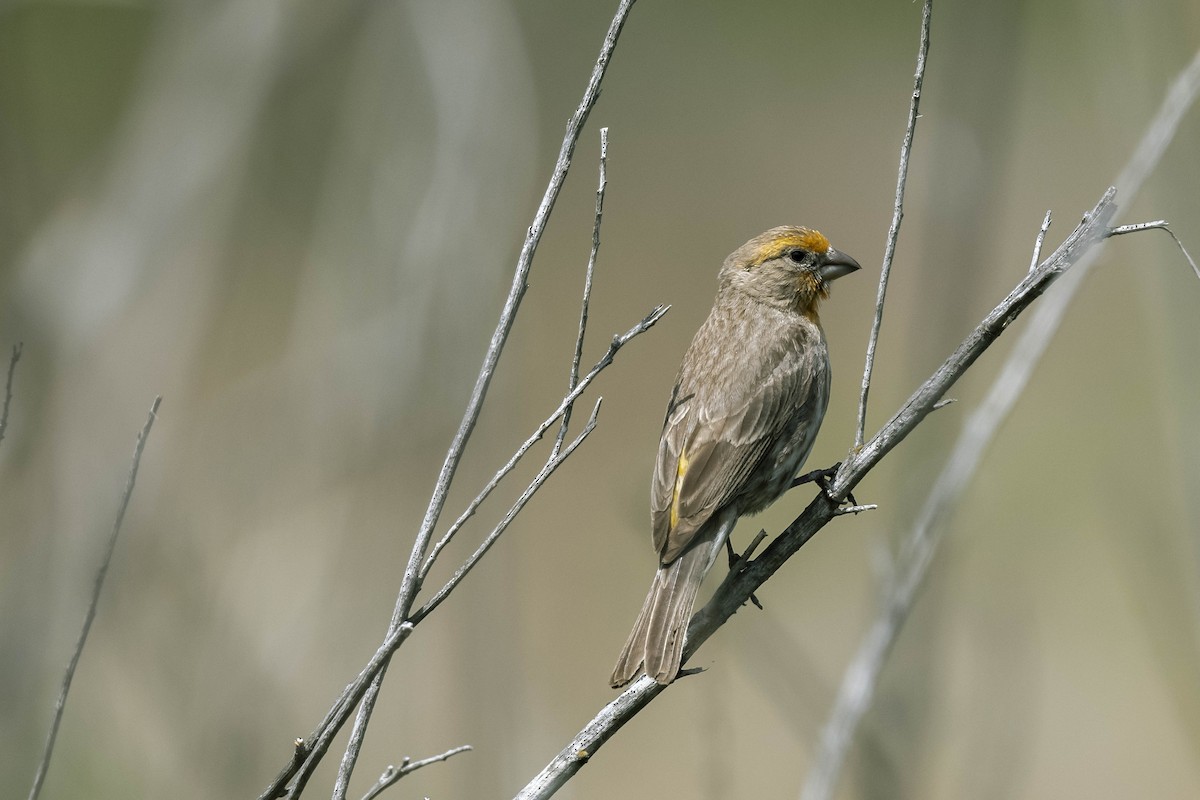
<point>742,418</point>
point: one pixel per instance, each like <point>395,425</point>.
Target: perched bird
<point>742,418</point>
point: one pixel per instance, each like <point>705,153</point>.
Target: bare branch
<point>737,587</point>
<point>1092,229</point>
<point>354,747</point>
<point>97,585</point>
<point>411,582</point>
<point>610,719</point>
<point>12,367</point>
<point>394,773</point>
<point>861,676</point>
<point>618,342</point>
<point>587,285</point>
<point>897,215</point>
<point>556,459</point>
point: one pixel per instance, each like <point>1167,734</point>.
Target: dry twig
<point>364,691</point>
<point>897,215</point>
<point>407,767</point>
<point>97,585</point>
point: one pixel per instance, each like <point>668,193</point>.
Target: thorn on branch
<point>1037,244</point>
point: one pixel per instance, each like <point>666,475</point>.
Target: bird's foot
<point>822,477</point>
<point>738,563</point>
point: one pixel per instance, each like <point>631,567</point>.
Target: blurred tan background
<point>297,222</point>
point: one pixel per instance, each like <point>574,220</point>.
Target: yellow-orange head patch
<point>785,239</point>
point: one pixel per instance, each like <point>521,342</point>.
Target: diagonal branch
<point>897,215</point>
<point>737,587</point>
<point>563,409</point>
<point>556,460</point>
<point>561,412</point>
<point>1091,230</point>
<point>317,744</point>
<point>411,582</point>
<point>357,690</point>
<point>587,283</point>
<point>857,689</point>
<point>573,386</point>
<point>309,752</point>
<point>97,585</point>
<point>354,746</point>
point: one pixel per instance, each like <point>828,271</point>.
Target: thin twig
<point>411,583</point>
<point>97,585</point>
<point>618,342</point>
<point>744,558</point>
<point>323,735</point>
<point>894,231</point>
<point>12,367</point>
<point>342,708</point>
<point>1161,225</point>
<point>354,747</point>
<point>508,315</point>
<point>843,510</point>
<point>394,773</point>
<point>1137,227</point>
<point>555,461</point>
<point>1090,230</point>
<point>587,285</point>
<point>1037,243</point>
<point>861,676</point>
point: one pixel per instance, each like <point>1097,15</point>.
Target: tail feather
<point>656,642</point>
<point>668,623</point>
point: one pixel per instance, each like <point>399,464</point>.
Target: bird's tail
<point>656,642</point>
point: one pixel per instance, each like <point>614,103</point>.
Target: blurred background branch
<point>862,675</point>
<point>89,617</point>
<point>8,384</point>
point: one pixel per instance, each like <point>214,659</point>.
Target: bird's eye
<point>797,256</point>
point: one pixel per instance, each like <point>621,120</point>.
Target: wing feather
<point>714,436</point>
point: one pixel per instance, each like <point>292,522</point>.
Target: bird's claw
<point>822,477</point>
<point>738,563</point>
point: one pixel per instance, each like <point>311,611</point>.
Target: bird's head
<point>788,267</point>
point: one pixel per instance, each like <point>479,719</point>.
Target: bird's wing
<point>708,449</point>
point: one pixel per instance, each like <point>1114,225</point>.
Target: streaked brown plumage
<point>743,416</point>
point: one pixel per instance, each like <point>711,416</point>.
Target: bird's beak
<point>835,264</point>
